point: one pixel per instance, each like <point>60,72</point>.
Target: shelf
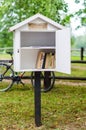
<point>38,69</point>
<point>38,31</point>
<point>39,47</point>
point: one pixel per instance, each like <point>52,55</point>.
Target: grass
<point>4,56</point>
<point>77,58</point>
<point>63,108</point>
<point>77,70</point>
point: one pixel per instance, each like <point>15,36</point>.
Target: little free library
<point>41,44</point>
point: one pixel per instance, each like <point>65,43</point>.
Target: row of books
<point>45,60</point>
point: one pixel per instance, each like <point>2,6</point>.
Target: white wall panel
<point>63,51</point>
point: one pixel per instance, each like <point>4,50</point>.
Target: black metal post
<point>47,79</point>
<point>37,99</point>
<point>82,53</point>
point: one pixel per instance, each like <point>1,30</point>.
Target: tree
<point>81,13</point>
<point>14,11</point>
<point>81,42</point>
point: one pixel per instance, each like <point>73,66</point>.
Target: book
<point>49,61</point>
<point>40,60</point>
<point>45,60</point>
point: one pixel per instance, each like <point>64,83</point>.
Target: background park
<point>64,107</point>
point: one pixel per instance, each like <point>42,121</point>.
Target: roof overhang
<point>44,18</point>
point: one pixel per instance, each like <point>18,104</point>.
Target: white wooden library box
<point>40,44</point>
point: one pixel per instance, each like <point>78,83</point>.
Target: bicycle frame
<point>14,77</point>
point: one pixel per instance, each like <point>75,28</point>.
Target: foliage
<point>80,41</point>
<point>81,12</point>
<point>14,11</point>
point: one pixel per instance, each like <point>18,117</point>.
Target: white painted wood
<point>25,55</point>
<point>38,21</point>
<point>27,43</point>
<point>63,51</point>
<point>44,18</point>
<point>37,31</point>
<point>51,27</point>
<point>16,53</point>
<point>28,70</point>
<point>28,59</point>
<point>39,47</point>
<point>23,28</point>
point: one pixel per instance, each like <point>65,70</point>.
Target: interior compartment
<point>37,39</point>
<point>28,58</point>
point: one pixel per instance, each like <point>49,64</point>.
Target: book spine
<point>45,60</point>
<point>40,60</point>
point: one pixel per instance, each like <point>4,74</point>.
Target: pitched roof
<point>33,18</point>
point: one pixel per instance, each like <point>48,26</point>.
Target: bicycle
<point>7,76</point>
<point>47,80</point>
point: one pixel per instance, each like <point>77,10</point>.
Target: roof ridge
<point>38,15</point>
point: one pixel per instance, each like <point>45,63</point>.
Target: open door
<point>63,51</point>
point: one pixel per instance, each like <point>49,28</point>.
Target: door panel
<point>63,51</point>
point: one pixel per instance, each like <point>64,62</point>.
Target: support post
<point>37,98</point>
<point>47,79</point>
<point>82,53</point>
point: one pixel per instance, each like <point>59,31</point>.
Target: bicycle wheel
<point>47,80</point>
<point>6,76</point>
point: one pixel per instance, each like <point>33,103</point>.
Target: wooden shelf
<point>38,47</point>
<point>38,69</point>
<point>28,44</point>
<point>38,31</point>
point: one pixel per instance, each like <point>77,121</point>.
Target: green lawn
<point>63,108</point>
<point>77,58</point>
<point>4,56</point>
<point>77,70</point>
